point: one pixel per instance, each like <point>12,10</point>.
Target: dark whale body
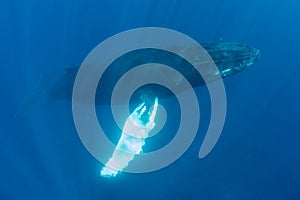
<point>230,58</point>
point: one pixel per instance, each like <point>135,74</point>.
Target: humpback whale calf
<point>229,57</point>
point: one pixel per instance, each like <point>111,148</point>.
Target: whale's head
<point>231,57</point>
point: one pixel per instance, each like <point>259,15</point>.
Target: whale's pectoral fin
<point>134,133</point>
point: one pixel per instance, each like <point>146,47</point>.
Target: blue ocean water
<point>257,156</point>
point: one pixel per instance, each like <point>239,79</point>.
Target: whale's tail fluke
<point>35,100</point>
<point>32,103</point>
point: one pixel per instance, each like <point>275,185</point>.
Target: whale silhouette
<point>229,57</point>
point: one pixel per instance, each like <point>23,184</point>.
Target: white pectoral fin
<point>131,141</point>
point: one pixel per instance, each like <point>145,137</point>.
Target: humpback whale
<point>229,57</point>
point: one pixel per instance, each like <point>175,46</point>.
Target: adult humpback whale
<point>229,57</point>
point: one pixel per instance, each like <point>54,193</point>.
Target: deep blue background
<point>257,156</point>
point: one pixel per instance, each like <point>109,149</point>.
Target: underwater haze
<point>257,155</point>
